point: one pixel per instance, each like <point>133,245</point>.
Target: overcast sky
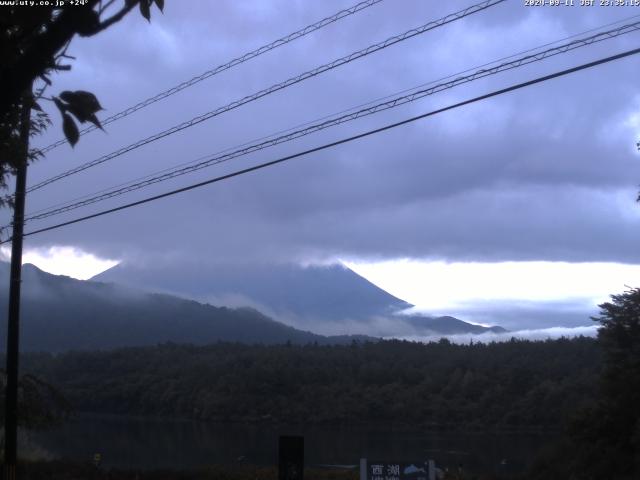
<point>545,174</point>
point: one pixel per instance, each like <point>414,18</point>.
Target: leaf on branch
<point>67,96</point>
<point>145,9</point>
<point>34,154</point>
<point>160,4</point>
<point>61,106</point>
<point>89,23</point>
<point>86,100</point>
<point>93,119</point>
<point>82,104</point>
<point>70,129</point>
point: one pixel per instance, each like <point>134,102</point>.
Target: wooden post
<point>13,326</point>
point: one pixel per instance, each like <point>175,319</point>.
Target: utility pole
<point>13,327</point>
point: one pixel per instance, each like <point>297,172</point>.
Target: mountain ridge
<point>328,293</point>
<point>325,298</point>
<point>59,313</point>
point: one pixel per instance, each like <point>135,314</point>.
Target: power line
<point>340,142</point>
<point>325,117</point>
<point>276,87</point>
<point>225,66</point>
<point>393,103</point>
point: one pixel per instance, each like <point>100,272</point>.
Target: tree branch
<point>106,6</point>
<point>34,61</point>
<point>116,17</point>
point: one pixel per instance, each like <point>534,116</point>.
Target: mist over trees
<point>584,389</point>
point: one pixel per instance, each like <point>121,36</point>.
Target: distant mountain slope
<point>60,313</point>
<point>320,298</point>
<point>330,293</point>
<point>447,325</point>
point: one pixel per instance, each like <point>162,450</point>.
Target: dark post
<point>13,327</point>
<point>291,458</point>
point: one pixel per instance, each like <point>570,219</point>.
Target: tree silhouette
<point>604,440</point>
<point>33,46</point>
<point>619,411</point>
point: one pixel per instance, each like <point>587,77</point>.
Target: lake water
<point>130,442</point>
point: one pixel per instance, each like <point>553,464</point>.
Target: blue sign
<point>385,470</point>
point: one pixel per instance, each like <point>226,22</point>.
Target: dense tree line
<point>513,385</point>
<point>41,405</point>
<point>603,441</point>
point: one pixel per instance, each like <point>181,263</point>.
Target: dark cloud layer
<point>547,173</point>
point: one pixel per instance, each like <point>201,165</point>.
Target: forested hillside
<point>61,313</point>
<point>512,385</point>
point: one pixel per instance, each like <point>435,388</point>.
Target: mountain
<point>309,294</point>
<point>320,298</point>
<point>59,313</point>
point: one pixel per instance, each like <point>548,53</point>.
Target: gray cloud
<point>547,173</point>
<point>515,315</point>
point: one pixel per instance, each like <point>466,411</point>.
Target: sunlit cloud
<point>63,260</point>
<point>441,286</point>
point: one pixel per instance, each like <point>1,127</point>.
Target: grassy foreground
<point>58,470</point>
<point>62,470</point>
